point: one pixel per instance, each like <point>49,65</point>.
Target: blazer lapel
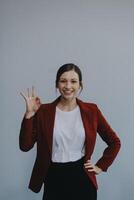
<point>87,118</point>
<point>50,118</point>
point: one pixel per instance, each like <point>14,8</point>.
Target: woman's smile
<point>66,92</point>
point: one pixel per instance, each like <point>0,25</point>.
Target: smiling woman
<point>65,132</point>
<point>68,82</point>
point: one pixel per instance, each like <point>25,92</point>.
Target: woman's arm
<point>111,139</point>
<point>28,131</point>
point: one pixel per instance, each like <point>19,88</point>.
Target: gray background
<point>36,37</point>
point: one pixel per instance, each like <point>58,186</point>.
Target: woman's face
<point>69,84</point>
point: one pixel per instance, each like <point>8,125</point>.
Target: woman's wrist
<point>98,169</point>
<point>28,115</point>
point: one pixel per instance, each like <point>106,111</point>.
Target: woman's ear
<point>81,85</point>
<point>56,85</point>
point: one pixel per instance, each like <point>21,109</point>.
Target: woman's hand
<point>32,102</point>
<point>92,168</point>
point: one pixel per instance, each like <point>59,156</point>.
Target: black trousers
<point>68,181</point>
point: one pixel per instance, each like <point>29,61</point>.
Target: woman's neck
<point>66,104</point>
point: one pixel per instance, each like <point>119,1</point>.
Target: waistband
<point>70,163</point>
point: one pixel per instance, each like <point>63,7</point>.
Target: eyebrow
<point>71,79</point>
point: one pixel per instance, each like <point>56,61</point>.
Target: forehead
<point>69,75</point>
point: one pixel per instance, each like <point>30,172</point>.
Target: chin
<point>68,97</point>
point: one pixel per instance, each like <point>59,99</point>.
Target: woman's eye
<point>62,81</point>
<point>74,81</point>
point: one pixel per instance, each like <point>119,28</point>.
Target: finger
<point>33,91</point>
<point>22,94</point>
<point>88,161</point>
<point>91,170</point>
<point>89,166</point>
<point>38,101</point>
<point>86,164</point>
<point>28,92</point>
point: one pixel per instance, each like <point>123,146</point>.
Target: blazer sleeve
<point>112,140</point>
<point>28,132</point>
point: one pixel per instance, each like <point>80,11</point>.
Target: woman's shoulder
<point>45,106</point>
<point>87,103</point>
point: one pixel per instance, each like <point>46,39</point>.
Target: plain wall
<point>36,38</point>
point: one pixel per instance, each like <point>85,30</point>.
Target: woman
<point>65,132</point>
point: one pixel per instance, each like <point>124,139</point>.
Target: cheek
<point>59,86</point>
<point>77,87</point>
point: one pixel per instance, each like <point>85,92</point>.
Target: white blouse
<point>68,136</point>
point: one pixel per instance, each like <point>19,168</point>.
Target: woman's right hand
<point>32,102</point>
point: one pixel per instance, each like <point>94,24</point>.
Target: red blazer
<point>39,128</point>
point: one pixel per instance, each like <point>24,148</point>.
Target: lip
<point>67,93</point>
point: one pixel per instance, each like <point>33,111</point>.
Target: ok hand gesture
<point>32,102</point>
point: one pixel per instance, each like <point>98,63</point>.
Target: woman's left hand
<point>92,168</point>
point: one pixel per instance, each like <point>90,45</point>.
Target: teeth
<point>67,92</point>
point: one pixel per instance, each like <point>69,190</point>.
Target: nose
<point>68,85</point>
